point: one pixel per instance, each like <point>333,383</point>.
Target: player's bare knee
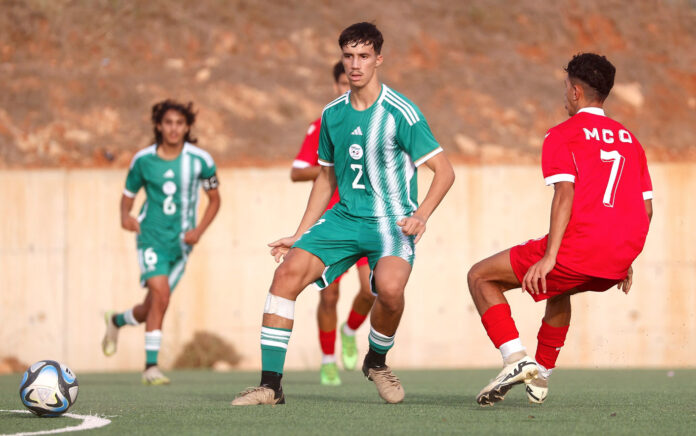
<point>286,281</point>
<point>328,298</point>
<point>474,278</point>
<point>391,296</point>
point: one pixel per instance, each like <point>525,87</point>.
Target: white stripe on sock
<point>153,340</point>
<point>274,344</point>
<point>328,358</point>
<point>380,339</point>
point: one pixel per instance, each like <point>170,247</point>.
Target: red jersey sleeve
<point>557,162</point>
<point>307,156</point>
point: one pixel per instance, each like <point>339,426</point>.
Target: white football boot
<point>537,389</point>
<point>519,371</point>
<point>110,336</point>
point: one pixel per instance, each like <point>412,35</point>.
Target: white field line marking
<point>88,423</point>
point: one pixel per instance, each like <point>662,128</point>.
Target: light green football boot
<point>329,375</point>
<point>349,351</point>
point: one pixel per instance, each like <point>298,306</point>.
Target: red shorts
<point>561,279</point>
<point>361,262</point>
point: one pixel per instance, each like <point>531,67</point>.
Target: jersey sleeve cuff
<point>325,163</point>
<point>647,195</point>
<point>559,178</point>
<point>425,158</point>
<point>297,163</point>
<point>128,194</point>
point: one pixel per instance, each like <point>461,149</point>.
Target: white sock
<point>348,331</point>
<point>153,340</point>
<point>511,347</point>
<point>328,358</point>
<point>129,318</point>
<point>543,372</point>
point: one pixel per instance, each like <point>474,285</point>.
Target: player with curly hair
<point>172,171</point>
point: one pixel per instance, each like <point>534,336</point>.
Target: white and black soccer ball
<point>48,388</point>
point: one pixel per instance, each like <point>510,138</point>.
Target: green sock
<point>151,357</point>
<point>274,345</point>
<point>119,320</point>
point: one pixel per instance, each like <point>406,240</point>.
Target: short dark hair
<point>161,108</point>
<point>338,70</point>
<point>594,71</point>
<point>362,33</point>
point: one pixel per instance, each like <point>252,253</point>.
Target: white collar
<point>593,111</point>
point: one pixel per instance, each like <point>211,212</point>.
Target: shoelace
<point>389,377</point>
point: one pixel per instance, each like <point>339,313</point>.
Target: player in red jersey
<point>306,168</point>
<point>600,214</point>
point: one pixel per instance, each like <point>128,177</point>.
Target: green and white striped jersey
<point>172,188</point>
<point>375,153</point>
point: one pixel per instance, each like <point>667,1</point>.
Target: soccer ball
<point>48,388</point>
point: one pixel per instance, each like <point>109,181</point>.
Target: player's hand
<point>192,236</point>
<point>131,224</point>
<point>281,247</point>
<point>625,284</point>
<point>412,225</point>
<point>537,273</point>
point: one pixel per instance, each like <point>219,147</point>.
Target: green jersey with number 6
<point>172,188</point>
<point>375,153</point>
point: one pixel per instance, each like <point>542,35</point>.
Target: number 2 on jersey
<point>614,177</point>
<point>356,181</point>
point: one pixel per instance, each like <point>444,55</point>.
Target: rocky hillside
<point>77,78</point>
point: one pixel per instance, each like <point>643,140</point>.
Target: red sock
<point>355,320</point>
<point>497,321</point>
<point>551,339</point>
<point>327,341</point>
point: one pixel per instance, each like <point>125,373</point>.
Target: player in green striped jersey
<point>372,140</point>
<point>171,171</point>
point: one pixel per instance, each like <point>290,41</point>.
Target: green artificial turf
<point>580,402</point>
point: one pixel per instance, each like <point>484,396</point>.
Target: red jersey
<point>309,157</point>
<point>609,223</point>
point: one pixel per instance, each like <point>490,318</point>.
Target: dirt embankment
<point>77,78</point>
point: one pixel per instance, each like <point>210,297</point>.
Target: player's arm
<point>324,186</point>
<point>194,235</point>
<point>625,284</point>
<point>128,221</point>
<point>442,181</point>
<point>561,208</point>
<point>304,174</point>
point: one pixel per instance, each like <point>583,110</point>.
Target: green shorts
<point>155,260</point>
<point>339,240</point>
